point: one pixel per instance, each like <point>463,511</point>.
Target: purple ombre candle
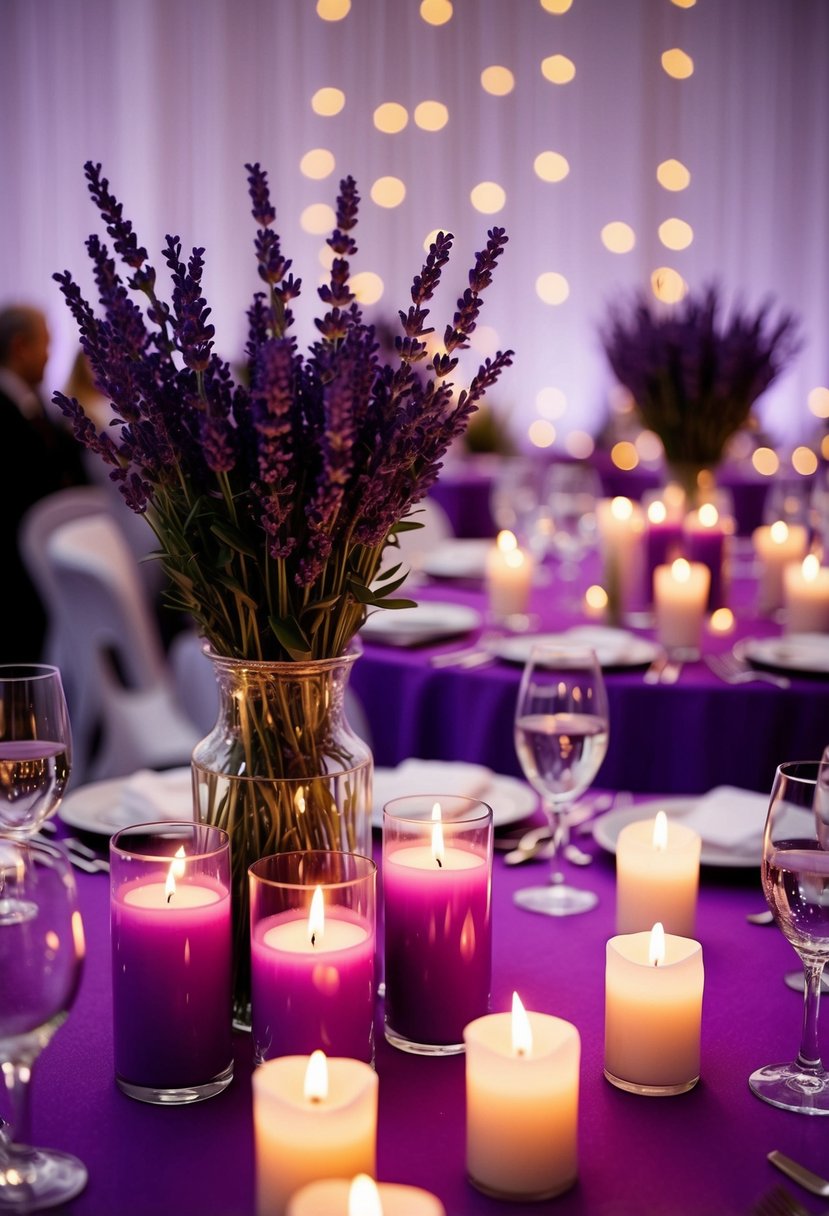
<point>663,540</point>
<point>705,543</point>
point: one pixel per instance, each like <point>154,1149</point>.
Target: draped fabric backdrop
<point>173,96</point>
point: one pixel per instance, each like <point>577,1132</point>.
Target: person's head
<point>24,343</point>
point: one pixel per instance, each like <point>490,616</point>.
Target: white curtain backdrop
<point>173,96</point>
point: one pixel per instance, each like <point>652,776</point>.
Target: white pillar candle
<point>312,1118</point>
<point>509,576</point>
<point>680,593</point>
<point>806,596</point>
<point>362,1196</point>
<point>653,1012</point>
<point>657,876</point>
<point>776,546</point>
<point>522,1099</point>
<point>621,525</point>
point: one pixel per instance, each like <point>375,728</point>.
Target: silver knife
<point>805,1178</point>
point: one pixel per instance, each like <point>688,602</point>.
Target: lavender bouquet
<point>693,376</point>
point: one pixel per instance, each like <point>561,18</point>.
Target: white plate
<point>607,828</point>
<point>97,808</point>
<point>510,798</point>
<point>428,622</point>
<point>797,652</point>
<point>458,558</point>
<point>613,647</point>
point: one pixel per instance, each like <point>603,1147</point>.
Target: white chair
<point>123,707</point>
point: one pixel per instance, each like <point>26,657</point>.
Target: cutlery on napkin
<point>148,796</point>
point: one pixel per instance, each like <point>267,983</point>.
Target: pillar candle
<point>509,576</point>
<point>680,593</point>
<point>777,545</point>
<point>806,596</point>
<point>522,1098</point>
<point>340,1197</point>
<point>312,1118</point>
<point>653,1012</point>
<point>663,537</point>
<point>657,876</point>
<point>704,537</point>
<point>621,525</point>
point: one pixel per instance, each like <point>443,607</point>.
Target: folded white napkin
<point>437,777</point>
<point>729,817</point>
<point>149,797</point>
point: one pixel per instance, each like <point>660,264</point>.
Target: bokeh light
<point>580,445</point>
<point>818,401</point>
<point>624,455</point>
<point>326,256</point>
<point>431,115</point>
<point>327,102</point>
<point>388,192</point>
<point>367,286</point>
<point>436,12</point>
<point>558,69</point>
<point>552,288</point>
<point>722,620</point>
<point>333,10</point>
<point>765,461</point>
<point>595,600</point>
<point>556,6</point>
<point>677,63</point>
<point>675,234</point>
<point>497,80</point>
<point>673,175</point>
<point>804,461</point>
<point>541,433</point>
<point>318,218</point>
<point>488,197</point>
<point>550,402</point>
<point>649,446</point>
<point>618,237</point>
<point>668,285</point>
<point>317,163</point>
<point>551,166</point>
<point>391,117</point>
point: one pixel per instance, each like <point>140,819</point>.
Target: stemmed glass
<point>35,746</point>
<point>571,491</point>
<point>561,736</point>
<point>41,954</point>
<point>795,876</point>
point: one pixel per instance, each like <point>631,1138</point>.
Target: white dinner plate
<point>461,557</point>
<point>428,622</point>
<point>607,828</point>
<point>98,807</point>
<point>510,798</point>
<point>613,647</point>
<point>808,652</point>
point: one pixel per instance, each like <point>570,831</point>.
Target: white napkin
<point>730,817</point>
<point>437,777</point>
<point>149,797</point>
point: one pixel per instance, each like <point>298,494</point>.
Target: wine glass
<point>35,746</point>
<point>571,492</point>
<point>795,876</point>
<point>41,954</point>
<point>561,735</point>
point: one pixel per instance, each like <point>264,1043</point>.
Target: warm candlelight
<point>806,596</point>
<point>621,525</point>
<point>522,1098</point>
<point>657,876</point>
<point>704,542</point>
<point>663,535</point>
<point>653,1012</point>
<point>680,593</point>
<point>776,546</point>
<point>362,1196</point>
<point>509,576</point>
<point>313,1118</point>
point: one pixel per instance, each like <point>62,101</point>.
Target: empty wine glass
<point>35,746</point>
<point>41,954</point>
<point>571,492</point>
<point>795,875</point>
<point>561,736</point>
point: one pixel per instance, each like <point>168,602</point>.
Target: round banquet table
<point>682,738</point>
<point>703,1152</point>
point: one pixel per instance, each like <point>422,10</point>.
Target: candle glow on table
<point>313,1118</point>
<point>704,537</point>
<point>657,876</point>
<point>777,545</point>
<point>621,525</point>
<point>362,1196</point>
<point>680,593</point>
<point>171,977</point>
<point>806,596</point>
<point>653,1012</point>
<point>522,1099</point>
<point>438,929</point>
<point>509,576</point>
<point>663,536</point>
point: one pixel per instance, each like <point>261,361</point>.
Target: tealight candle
<point>776,546</point>
<point>522,1101</point>
<point>171,961</point>
<point>657,876</point>
<point>437,874</point>
<point>653,1012</point>
<point>312,925</point>
<point>362,1196</point>
<point>704,537</point>
<point>680,593</point>
<point>313,1118</point>
<point>509,576</point>
<point>806,596</point>
<point>621,525</point>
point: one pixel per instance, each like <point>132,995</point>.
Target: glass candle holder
<point>171,961</point>
<point>437,878</point>
<point>312,919</point>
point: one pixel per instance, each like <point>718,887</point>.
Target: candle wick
<point>313,939</point>
<point>440,863</point>
<point>169,897</point>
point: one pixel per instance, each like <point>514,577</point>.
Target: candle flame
<point>657,512</point>
<point>506,541</point>
<point>810,567</point>
<point>522,1035</point>
<point>779,531</point>
<point>177,870</point>
<point>621,508</point>
<point>681,570</point>
<point>364,1197</point>
<point>437,835</point>
<point>708,515</point>
<point>316,917</point>
<point>514,558</point>
<point>316,1077</point>
<point>660,832</point>
<point>656,946</point>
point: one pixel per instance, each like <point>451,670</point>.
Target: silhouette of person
<point>38,456</point>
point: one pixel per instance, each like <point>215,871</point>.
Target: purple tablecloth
<point>700,1154</point>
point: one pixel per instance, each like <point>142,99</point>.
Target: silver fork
<point>735,671</point>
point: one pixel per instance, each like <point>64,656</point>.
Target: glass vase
<point>282,770</point>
